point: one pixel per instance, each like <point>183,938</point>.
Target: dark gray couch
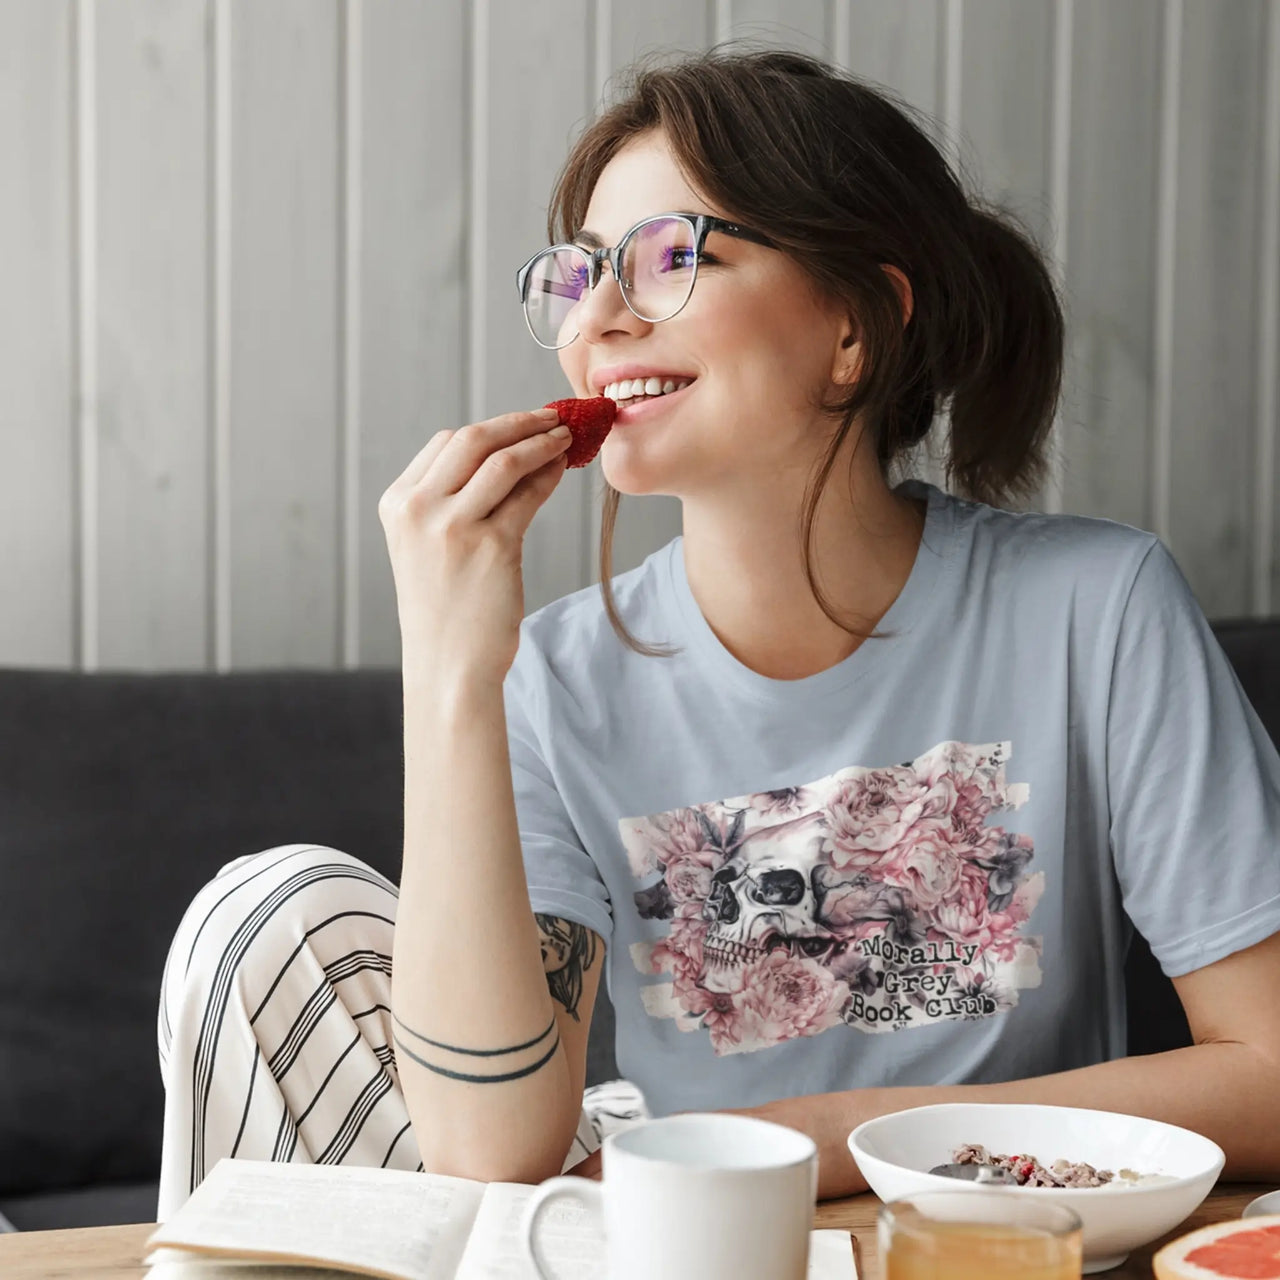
<point>121,794</point>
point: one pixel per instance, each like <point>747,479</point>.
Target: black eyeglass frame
<point>702,224</point>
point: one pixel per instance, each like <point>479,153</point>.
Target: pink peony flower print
<point>785,996</point>
<point>970,812</point>
<point>681,834</point>
<point>681,951</point>
<point>720,1012</point>
<point>688,879</point>
<point>963,914</point>
<point>925,866</point>
<point>871,813</point>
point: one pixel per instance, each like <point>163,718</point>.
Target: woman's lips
<point>650,407</point>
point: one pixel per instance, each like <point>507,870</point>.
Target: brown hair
<point>842,178</point>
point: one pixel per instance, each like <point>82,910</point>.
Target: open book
<point>258,1220</point>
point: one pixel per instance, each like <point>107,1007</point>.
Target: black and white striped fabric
<point>275,1029</point>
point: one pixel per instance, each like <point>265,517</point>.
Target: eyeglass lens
<point>658,267</point>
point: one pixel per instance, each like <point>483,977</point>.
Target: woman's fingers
<point>471,446</point>
<point>421,462</point>
<point>516,511</point>
<point>503,471</point>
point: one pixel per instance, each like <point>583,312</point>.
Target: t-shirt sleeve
<point>1194,781</point>
<point>562,877</point>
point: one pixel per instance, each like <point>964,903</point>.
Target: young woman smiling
<point>855,786</point>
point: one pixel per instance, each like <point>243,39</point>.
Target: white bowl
<point>896,1151</point>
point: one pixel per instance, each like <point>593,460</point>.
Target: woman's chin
<point>633,476</point>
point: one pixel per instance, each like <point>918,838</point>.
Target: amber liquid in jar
<point>980,1251</point>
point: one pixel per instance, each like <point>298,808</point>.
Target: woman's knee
<point>270,902</point>
<point>293,858</point>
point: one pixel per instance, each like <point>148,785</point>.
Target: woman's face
<point>757,341</point>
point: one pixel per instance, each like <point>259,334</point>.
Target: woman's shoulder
<point>1037,546</point>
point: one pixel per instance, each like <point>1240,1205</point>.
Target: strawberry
<point>589,420</point>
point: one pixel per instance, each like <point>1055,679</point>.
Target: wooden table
<point>115,1253</point>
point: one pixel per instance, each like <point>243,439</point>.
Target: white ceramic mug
<point>697,1197</point>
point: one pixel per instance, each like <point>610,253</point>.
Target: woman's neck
<point>746,571</point>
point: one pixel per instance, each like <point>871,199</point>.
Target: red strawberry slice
<point>589,420</point>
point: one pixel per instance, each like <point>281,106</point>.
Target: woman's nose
<point>604,311</point>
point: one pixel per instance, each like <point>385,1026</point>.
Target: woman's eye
<point>677,259</point>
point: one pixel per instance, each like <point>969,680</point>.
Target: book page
<point>177,1264</point>
<point>568,1231</point>
<point>379,1222</point>
<point>573,1247</point>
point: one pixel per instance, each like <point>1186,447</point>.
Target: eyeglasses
<point>655,265</point>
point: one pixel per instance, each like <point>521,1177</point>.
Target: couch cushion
<point>107,1205</point>
<point>122,794</point>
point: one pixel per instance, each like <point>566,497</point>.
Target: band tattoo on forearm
<point>568,950</point>
<point>477,1053</point>
<point>467,1077</point>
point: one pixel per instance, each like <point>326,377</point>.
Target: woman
<point>854,785</point>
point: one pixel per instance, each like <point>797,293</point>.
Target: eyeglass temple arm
<point>736,229</point>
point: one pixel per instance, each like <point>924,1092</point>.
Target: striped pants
<point>275,1030</point>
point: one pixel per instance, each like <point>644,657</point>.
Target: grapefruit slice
<point>1242,1249</point>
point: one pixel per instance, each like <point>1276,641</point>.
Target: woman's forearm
<point>1229,1092</point>
<point>467,966</point>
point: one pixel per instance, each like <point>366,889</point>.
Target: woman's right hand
<point>455,521</point>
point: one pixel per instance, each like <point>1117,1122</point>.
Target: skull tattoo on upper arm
<point>568,950</point>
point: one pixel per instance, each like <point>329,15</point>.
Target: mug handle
<point>554,1189</point>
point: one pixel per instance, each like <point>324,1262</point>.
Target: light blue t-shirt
<point>915,866</point>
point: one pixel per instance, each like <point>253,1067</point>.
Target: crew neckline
<point>906,610</point>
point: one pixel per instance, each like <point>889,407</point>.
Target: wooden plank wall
<point>255,254</point>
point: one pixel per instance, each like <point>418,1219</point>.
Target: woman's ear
<point>847,366</point>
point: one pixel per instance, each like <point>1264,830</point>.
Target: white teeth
<point>630,388</point>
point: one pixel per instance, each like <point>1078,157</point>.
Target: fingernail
<point>552,414</point>
<point>560,433</point>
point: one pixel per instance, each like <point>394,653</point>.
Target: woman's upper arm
<point>573,959</point>
<point>1234,999</point>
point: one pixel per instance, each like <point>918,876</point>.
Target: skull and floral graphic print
<point>877,898</point>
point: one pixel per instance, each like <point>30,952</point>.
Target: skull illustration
<point>761,899</point>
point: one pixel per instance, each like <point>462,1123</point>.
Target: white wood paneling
<point>897,46</point>
<point>1215,300</point>
<point>150,334</point>
<point>804,25</point>
<point>1111,259</point>
<point>38,494</point>
<point>284,270</point>
<point>662,27</point>
<point>1266,564</point>
<point>260,252</point>
<point>413,269</point>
